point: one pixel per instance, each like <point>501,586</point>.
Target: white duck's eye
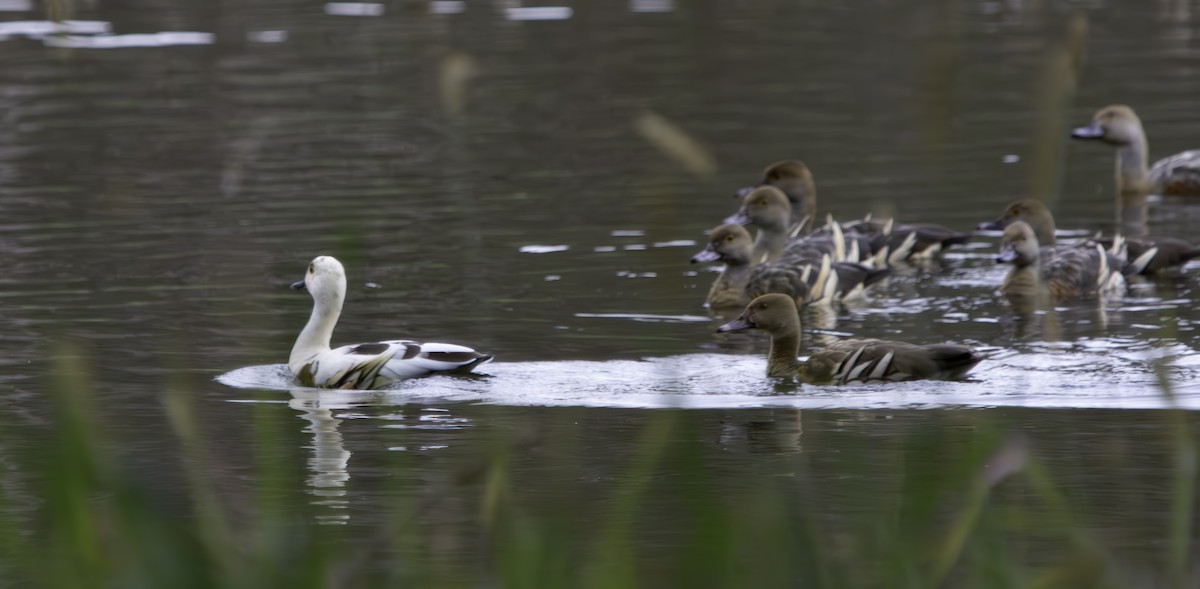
<point>311,269</point>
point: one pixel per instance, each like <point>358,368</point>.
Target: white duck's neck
<point>315,336</point>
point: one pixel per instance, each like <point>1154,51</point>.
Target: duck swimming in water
<point>1145,255</point>
<point>847,361</point>
<point>1065,272</point>
<point>361,366</point>
<point>1177,175</point>
<point>818,280</point>
<point>794,181</point>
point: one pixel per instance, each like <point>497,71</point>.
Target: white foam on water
<point>164,39</point>
<point>37,29</point>
<point>1070,378</point>
<point>267,36</point>
<point>543,249</point>
<point>651,6</point>
<point>447,7</point>
<point>353,9</point>
<point>539,13</point>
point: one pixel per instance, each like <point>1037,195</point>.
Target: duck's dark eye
<point>728,238</point>
<point>762,203</point>
<point>310,269</point>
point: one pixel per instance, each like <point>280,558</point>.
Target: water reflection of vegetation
<point>949,527</point>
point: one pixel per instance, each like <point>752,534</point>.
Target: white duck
<point>361,366</point>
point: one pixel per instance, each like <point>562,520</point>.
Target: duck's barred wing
<point>1083,271</point>
<point>864,361</point>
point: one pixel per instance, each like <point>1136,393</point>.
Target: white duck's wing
<point>374,365</point>
<point>420,359</point>
<point>350,367</point>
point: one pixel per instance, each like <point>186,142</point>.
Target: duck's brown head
<point>1115,124</point>
<point>729,243</point>
<point>765,207</point>
<point>773,313</point>
<point>787,173</point>
<point>791,176</point>
<point>1032,212</point>
<point>1019,246</point>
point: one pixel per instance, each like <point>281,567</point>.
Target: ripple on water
<point>647,317</point>
<point>1074,377</point>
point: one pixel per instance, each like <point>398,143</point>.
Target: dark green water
<point>156,201</point>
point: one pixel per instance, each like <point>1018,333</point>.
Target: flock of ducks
<point>791,263</point>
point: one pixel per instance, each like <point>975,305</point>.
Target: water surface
<point>168,168</point>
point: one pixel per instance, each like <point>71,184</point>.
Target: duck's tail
<point>953,361</point>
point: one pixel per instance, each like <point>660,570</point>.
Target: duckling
<point>1065,272</point>
<point>847,361</point>
<point>795,181</point>
<point>1033,213</point>
<point>740,280</point>
<point>768,209</point>
<point>732,245</point>
<point>1177,175</point>
<point>1147,255</point>
<point>1020,248</point>
<point>361,366</point>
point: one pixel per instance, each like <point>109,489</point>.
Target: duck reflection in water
<point>328,466</point>
<point>779,434</point>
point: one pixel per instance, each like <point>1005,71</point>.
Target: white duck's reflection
<point>330,459</point>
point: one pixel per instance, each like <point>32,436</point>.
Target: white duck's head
<point>325,281</point>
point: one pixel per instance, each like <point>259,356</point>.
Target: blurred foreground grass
<point>99,527</point>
